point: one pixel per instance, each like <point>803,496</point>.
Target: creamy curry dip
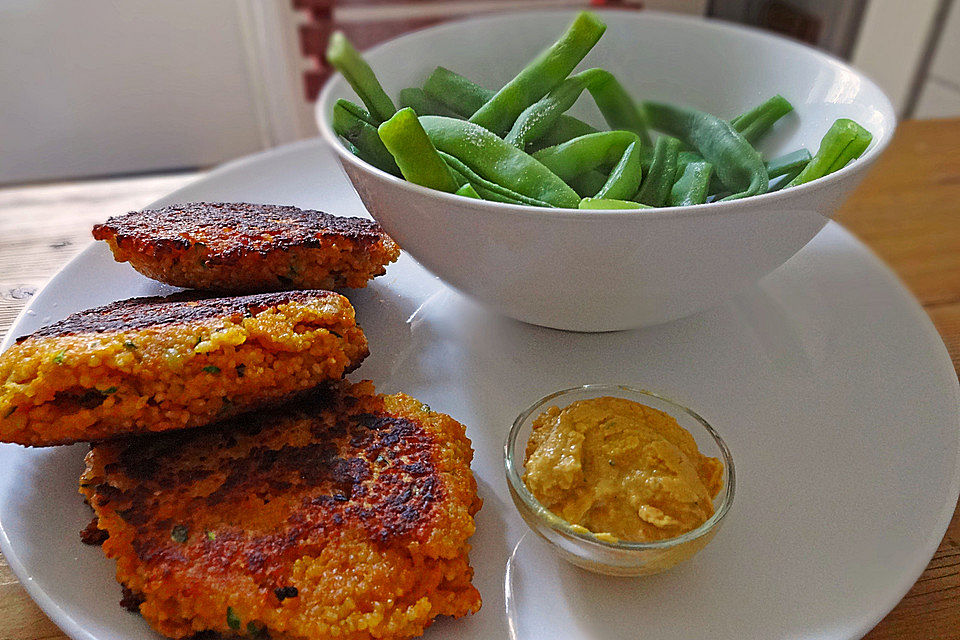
<point>620,469</point>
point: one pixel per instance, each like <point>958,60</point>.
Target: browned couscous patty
<point>345,515</point>
<point>245,248</point>
<point>153,364</point>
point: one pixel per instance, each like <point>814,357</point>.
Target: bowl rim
<point>337,81</point>
<point>563,527</point>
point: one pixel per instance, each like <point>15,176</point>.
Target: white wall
<point>100,86</point>
<point>940,94</point>
<point>892,44</point>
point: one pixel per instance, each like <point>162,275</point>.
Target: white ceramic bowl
<point>609,270</point>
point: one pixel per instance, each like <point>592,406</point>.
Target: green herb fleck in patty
<point>180,533</point>
<point>233,620</point>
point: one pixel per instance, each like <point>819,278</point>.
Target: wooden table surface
<point>907,211</point>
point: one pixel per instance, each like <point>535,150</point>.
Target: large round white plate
<point>827,380</point>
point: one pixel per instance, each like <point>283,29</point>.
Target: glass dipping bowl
<point>578,545</point>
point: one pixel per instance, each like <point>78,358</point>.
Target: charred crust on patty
<point>233,230</point>
<point>248,248</point>
<point>130,600</point>
<point>179,308</point>
<point>93,535</point>
<point>278,500</point>
<point>282,593</point>
<point>342,460</point>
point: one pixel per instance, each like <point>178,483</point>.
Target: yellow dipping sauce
<point>620,469</point>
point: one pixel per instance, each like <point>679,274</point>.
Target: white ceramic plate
<point>828,382</point>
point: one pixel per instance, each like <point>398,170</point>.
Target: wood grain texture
<point>907,210</point>
<point>20,618</point>
<point>42,227</point>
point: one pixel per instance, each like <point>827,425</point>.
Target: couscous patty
<point>153,364</point>
<point>245,248</point>
<point>344,515</point>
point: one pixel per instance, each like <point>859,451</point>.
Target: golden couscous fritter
<point>154,364</point>
<point>246,248</point>
<point>345,515</point>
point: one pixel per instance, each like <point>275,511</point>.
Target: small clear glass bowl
<point>581,547</point>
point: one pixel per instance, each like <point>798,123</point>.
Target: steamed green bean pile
<point>518,145</point>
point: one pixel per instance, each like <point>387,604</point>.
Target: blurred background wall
<point>107,87</point>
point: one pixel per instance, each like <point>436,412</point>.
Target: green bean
<point>854,150</point>
<point>499,196</point>
<point>459,94</point>
<point>787,163</point>
<point>464,97</point>
<point>577,156</point>
<point>692,186</point>
<point>566,128</point>
<point>655,188</point>
<point>786,179</point>
<point>588,183</point>
<point>618,108</point>
<point>352,123</point>
<point>610,203</point>
<point>356,111</point>
<point>342,55</point>
<point>496,196</point>
<point>624,180</point>
<point>467,191</point>
<point>537,119</point>
<point>756,122</point>
<point>686,157</point>
<point>498,161</point>
<point>736,162</point>
<point>843,142</point>
<point>539,77</point>
<point>416,156</point>
<point>459,177</point>
<point>487,189</point>
<point>646,159</point>
<point>752,125</point>
<point>616,105</point>
<point>485,194</point>
<point>417,99</point>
